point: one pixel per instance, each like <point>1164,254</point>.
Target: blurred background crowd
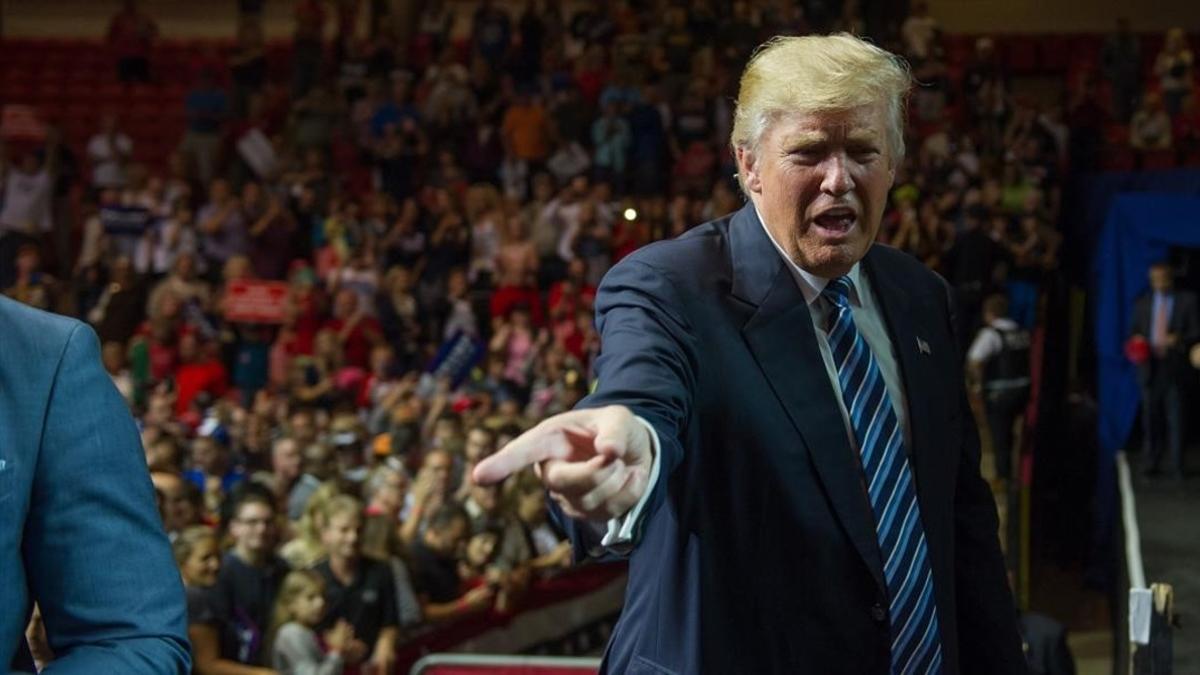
<point>331,273</point>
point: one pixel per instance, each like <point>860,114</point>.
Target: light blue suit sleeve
<point>98,561</point>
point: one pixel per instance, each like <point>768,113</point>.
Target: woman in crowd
<point>199,560</point>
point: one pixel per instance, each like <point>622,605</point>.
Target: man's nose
<point>837,180</point>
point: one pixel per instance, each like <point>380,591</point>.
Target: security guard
<point>998,364</point>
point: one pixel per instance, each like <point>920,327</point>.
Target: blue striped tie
<point>916,645</point>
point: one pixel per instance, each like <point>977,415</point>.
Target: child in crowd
<point>296,648</point>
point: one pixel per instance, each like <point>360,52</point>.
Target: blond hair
<point>293,586</point>
<point>813,73</point>
<point>189,540</point>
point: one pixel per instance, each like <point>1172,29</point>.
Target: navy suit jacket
<point>1183,322</point>
<point>757,551</point>
<point>79,532</point>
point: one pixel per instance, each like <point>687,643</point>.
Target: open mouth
<point>836,222</point>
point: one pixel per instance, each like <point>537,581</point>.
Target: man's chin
<point>831,261</point>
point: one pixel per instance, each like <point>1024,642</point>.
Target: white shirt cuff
<point>620,535</point>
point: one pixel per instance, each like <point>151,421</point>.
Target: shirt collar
<point>810,284</point>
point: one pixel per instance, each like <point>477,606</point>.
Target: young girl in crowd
<point>296,649</point>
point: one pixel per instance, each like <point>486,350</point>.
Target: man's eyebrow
<point>862,136</point>
<point>804,138</point>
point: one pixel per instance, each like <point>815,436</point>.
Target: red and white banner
<point>553,609</point>
<point>21,123</point>
<point>253,301</point>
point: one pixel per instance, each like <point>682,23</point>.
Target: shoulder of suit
<point>900,263</point>
<point>30,334</point>
<point>696,250</point>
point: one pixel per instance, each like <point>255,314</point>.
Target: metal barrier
<point>480,664</point>
<point>1148,610</point>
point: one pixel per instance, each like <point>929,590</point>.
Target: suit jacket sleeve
<point>988,634</point>
<point>646,363</point>
<point>98,561</point>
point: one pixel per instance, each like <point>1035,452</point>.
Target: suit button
<point>878,613</point>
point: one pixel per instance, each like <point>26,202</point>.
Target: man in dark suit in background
<point>1167,319</point>
<point>779,435</point>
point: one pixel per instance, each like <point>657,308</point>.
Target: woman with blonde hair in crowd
<point>198,554</point>
<point>305,549</point>
<point>300,607</point>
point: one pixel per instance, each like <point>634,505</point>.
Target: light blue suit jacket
<point>79,532</point>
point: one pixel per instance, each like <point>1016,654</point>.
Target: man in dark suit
<point>778,435</point>
<point>1167,318</point>
<point>79,532</point>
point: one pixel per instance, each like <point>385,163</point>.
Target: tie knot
<point>837,291</point>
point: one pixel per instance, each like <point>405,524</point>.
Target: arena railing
<point>1143,639</point>
<point>481,664</point>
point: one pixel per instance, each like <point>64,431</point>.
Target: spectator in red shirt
<point>199,370</point>
<point>131,34</point>
<point>572,293</point>
<point>356,331</point>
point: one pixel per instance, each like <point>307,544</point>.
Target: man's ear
<point>748,169</point>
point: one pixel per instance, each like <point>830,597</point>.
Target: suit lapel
<point>781,338</point>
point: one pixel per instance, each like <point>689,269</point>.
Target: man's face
<point>487,497</point>
<point>1160,278</point>
<point>448,540</point>
<point>438,465</point>
<point>208,456</point>
<point>390,496</point>
<point>285,458</point>
<point>479,445</point>
<point>340,536</point>
<point>820,182</point>
<point>303,429</point>
<point>253,527</point>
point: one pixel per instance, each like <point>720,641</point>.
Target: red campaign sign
<point>21,123</point>
<point>249,301</point>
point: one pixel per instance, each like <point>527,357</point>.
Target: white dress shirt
<point>870,323</point>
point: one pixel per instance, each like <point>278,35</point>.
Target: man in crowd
<point>358,589</point>
<point>250,575</point>
<point>435,568</point>
<point>998,363</point>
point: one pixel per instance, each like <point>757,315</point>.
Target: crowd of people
<point>314,472</point>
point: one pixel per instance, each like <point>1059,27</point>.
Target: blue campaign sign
<point>456,357</point>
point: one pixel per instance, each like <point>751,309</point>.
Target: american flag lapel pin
<point>923,347</point>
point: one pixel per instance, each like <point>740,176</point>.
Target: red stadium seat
<point>1120,158</point>
<point>1158,159</point>
<point>1021,54</point>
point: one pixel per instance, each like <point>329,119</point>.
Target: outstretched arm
<point>599,461</point>
<point>98,561</point>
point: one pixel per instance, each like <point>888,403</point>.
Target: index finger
<point>533,446</point>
